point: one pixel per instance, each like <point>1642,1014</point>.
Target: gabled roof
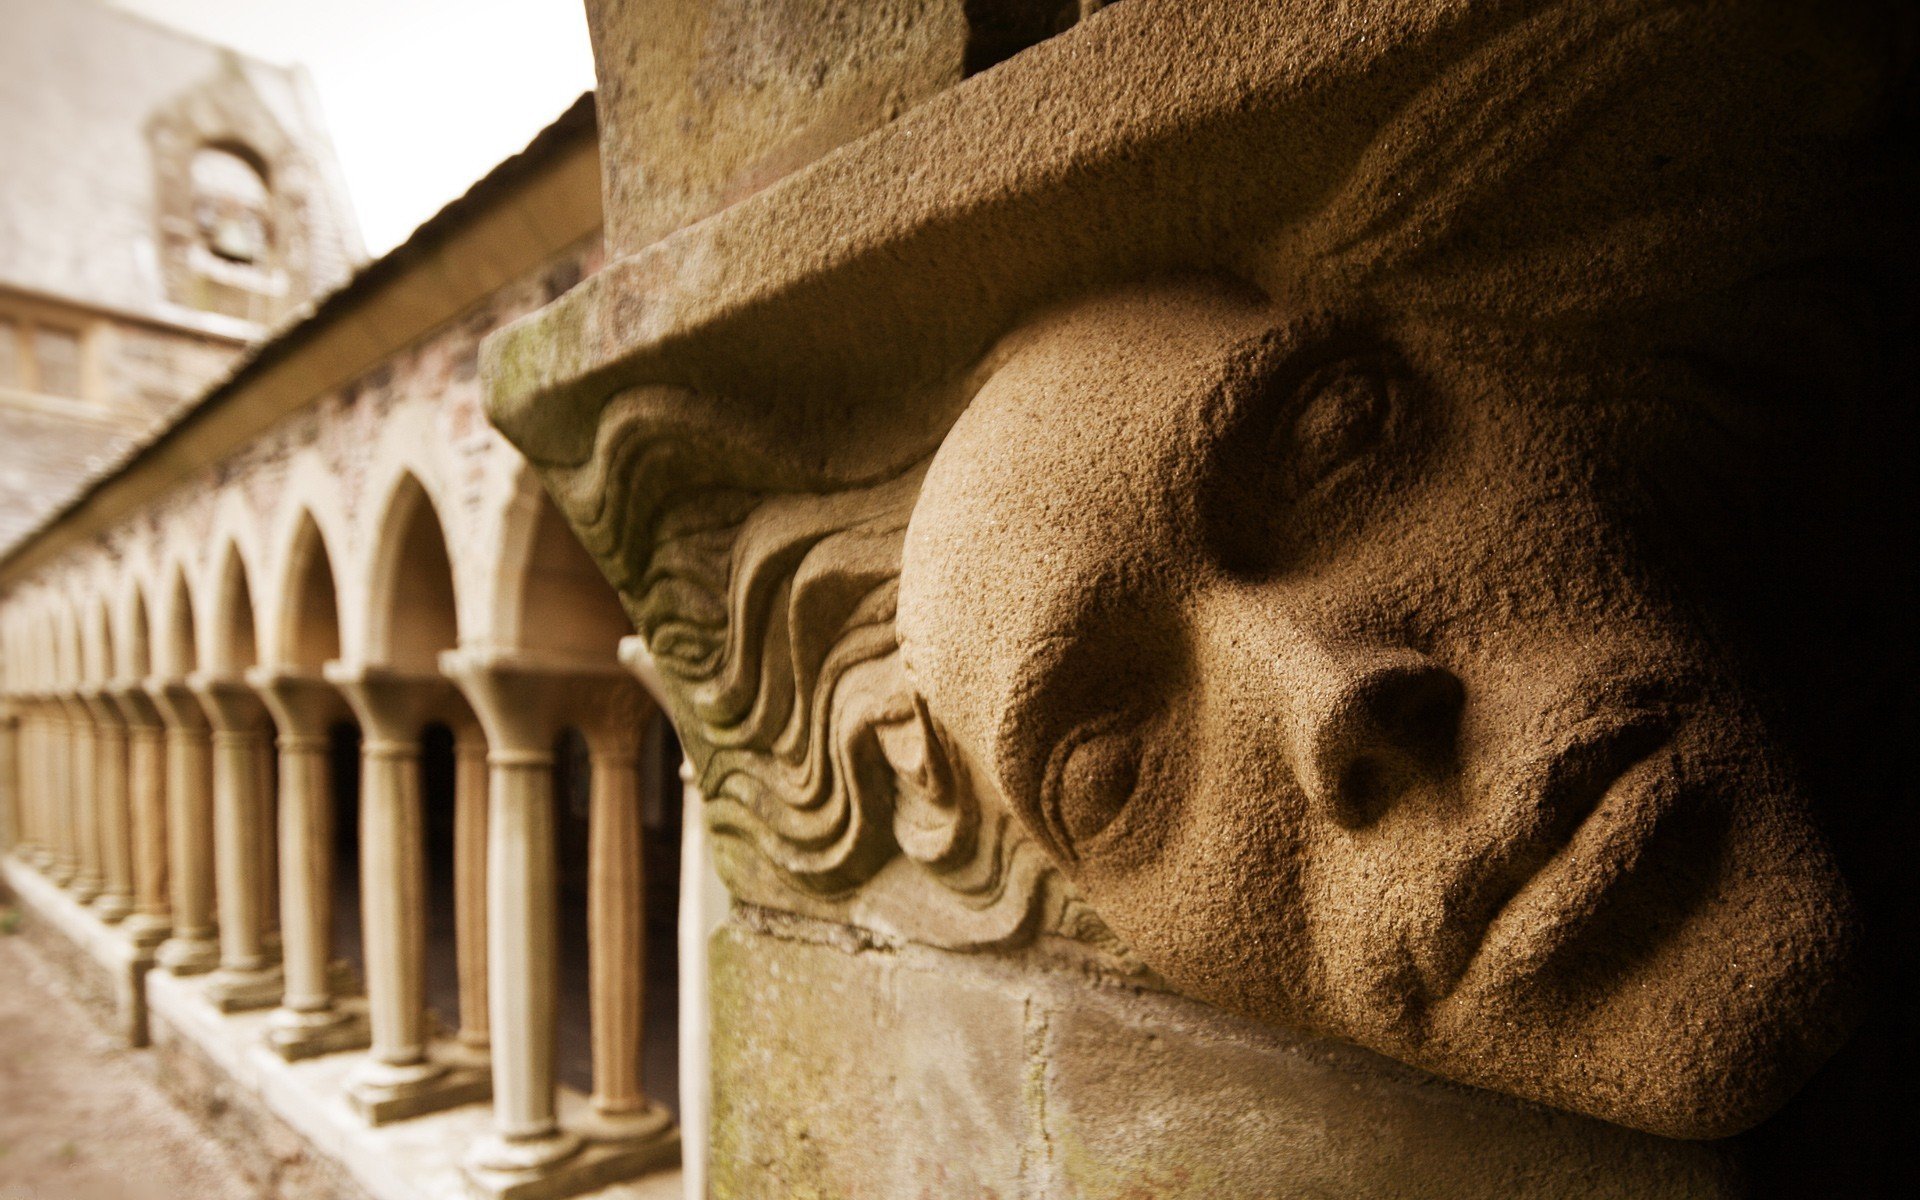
<point>79,82</point>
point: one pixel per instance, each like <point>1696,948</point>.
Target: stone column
<point>60,805</point>
<point>617,934</point>
<point>152,917</point>
<point>192,948</point>
<point>524,702</point>
<point>266,776</point>
<point>470,881</point>
<point>401,1076</point>
<point>9,777</point>
<point>82,800</point>
<point>34,848</point>
<point>310,1020</point>
<point>247,977</point>
<point>115,823</point>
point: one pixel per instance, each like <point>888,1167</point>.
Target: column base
<point>232,990</point>
<point>84,889</point>
<point>580,1166</point>
<point>60,874</point>
<point>381,1093</point>
<point>188,955</point>
<point>301,1035</point>
<point>112,907</point>
<point>146,930</point>
<point>643,1125</point>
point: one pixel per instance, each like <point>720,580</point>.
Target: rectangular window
<point>58,354</point>
<point>10,373</point>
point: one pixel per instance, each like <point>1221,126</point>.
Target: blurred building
<point>164,203</point>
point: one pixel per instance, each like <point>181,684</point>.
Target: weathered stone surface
<point>846,1074</point>
<point>1275,493</point>
<point>702,104</point>
<point>1153,1095</point>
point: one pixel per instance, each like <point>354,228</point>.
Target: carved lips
<point>1592,809</point>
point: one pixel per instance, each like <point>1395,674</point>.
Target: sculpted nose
<point>1369,728</point>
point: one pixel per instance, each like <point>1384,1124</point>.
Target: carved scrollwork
<point>769,615</point>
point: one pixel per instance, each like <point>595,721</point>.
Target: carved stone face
<point>1339,664</point>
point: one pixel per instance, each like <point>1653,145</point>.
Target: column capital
<point>390,705</point>
<point>137,709</point>
<point>232,706</point>
<point>72,705</point>
<point>524,700</point>
<point>101,707</point>
<point>303,705</point>
<point>177,706</point>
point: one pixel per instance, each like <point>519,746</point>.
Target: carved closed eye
<point>1342,409</point>
<point>1303,424</point>
<point>1090,778</point>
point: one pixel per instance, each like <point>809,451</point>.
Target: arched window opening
<point>419,603</point>
<point>139,661</point>
<point>237,647</point>
<point>183,656</point>
<point>566,604</point>
<point>313,637</point>
<point>232,206</point>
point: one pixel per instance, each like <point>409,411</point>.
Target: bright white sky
<point>422,96</point>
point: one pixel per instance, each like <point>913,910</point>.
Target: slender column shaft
<point>237,854</point>
<point>84,804</point>
<point>521,925</point>
<point>189,821</point>
<point>147,795</point>
<point>115,821</point>
<point>60,799</point>
<point>45,791</point>
<point>40,791</point>
<point>9,783</point>
<point>393,900</point>
<point>617,935</point>
<point>266,772</point>
<point>470,884</point>
<point>33,786</point>
<point>306,872</point>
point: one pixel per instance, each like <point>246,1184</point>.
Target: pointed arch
<point>136,649</point>
<point>99,643</point>
<point>414,610</point>
<point>233,645</point>
<point>551,595</point>
<point>306,631</point>
<point>181,643</point>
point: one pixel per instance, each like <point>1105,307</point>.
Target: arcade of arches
<point>325,744</point>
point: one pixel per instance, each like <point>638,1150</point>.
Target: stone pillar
<point>617,934</point>
<point>9,777</point>
<point>83,802</point>
<point>192,948</point>
<point>152,916</point>
<point>470,881</point>
<point>266,774</point>
<point>401,1076</point>
<point>60,794</point>
<point>115,823</point>
<point>524,702</point>
<point>247,977</point>
<point>33,849</point>
<point>310,1020</point>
